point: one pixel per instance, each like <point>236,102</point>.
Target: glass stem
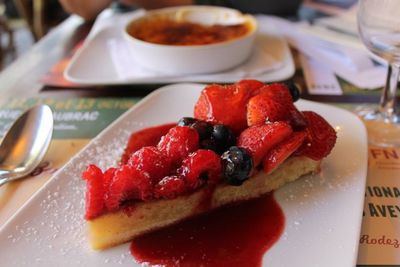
<point>387,106</point>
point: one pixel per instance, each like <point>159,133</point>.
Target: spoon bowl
<point>25,143</point>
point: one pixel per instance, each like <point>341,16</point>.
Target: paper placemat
<point>380,232</point>
<point>77,121</point>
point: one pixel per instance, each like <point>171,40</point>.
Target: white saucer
<point>95,62</point>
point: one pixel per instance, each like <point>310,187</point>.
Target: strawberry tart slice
<point>244,140</point>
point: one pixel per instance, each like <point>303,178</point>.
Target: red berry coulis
<point>146,137</point>
<point>237,235</point>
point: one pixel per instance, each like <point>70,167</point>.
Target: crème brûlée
<point>176,171</point>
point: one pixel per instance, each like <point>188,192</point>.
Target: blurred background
<point>24,22</point>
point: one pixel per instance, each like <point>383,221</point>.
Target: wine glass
<point>379,28</point>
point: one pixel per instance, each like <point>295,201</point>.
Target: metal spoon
<point>26,143</point>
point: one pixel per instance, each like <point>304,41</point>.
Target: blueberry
<point>223,137</point>
<point>186,121</point>
<point>208,144</point>
<point>236,165</point>
<point>204,129</point>
<point>294,91</point>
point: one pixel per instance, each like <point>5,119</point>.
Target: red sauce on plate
<point>146,137</point>
<point>237,235</point>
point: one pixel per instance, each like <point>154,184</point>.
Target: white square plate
<point>103,59</point>
<point>323,212</point>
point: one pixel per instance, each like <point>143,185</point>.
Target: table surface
<point>23,79</point>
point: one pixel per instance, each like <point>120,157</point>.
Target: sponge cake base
<point>118,227</point>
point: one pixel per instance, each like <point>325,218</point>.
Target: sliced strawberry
<point>252,86</point>
<point>170,187</point>
<point>272,103</point>
<point>321,137</point>
<point>224,105</point>
<point>262,109</point>
<point>261,138</point>
<point>146,137</point>
<point>199,167</point>
<point>202,109</point>
<point>94,192</point>
<point>128,184</point>
<point>282,151</point>
<point>278,92</point>
<point>178,143</point>
<point>152,162</point>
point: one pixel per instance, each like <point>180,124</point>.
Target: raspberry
<point>128,183</point>
<point>178,143</point>
<point>107,178</point>
<point>199,167</point>
<point>170,187</point>
<point>94,192</point>
<point>151,162</point>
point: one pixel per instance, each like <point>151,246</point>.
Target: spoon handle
<point>4,177</point>
<point>3,181</point>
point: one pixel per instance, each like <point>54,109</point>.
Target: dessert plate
<point>323,212</point>
<point>105,59</point>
